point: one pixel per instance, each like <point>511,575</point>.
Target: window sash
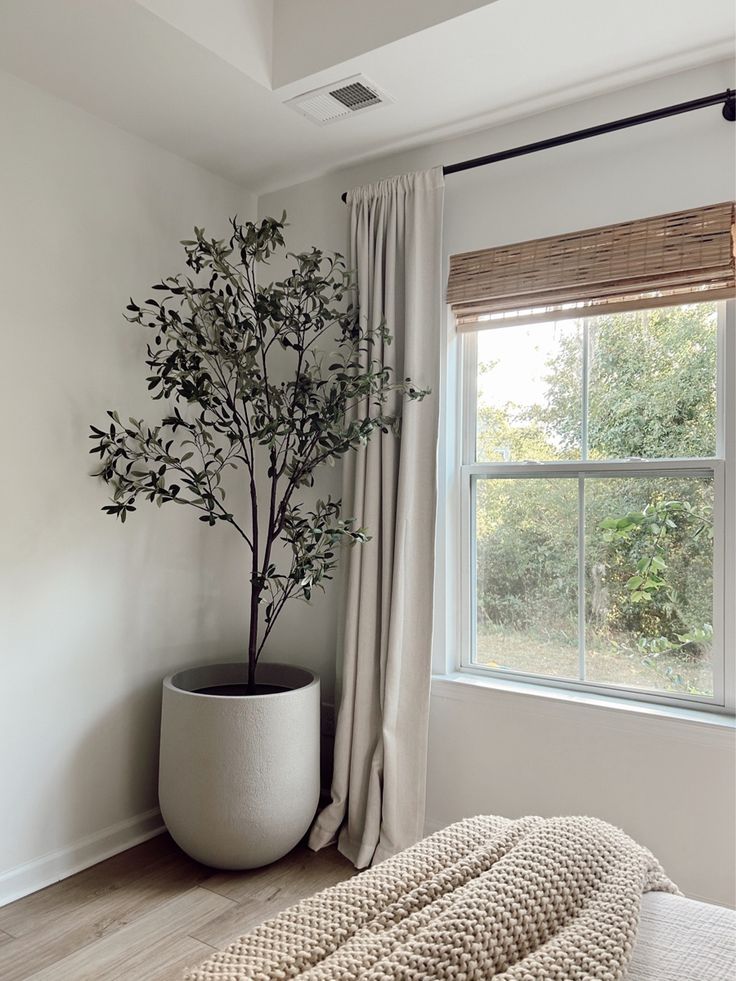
<point>720,467</point>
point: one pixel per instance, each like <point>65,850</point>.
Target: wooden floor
<point>148,913</point>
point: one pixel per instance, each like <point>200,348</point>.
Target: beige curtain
<point>389,486</point>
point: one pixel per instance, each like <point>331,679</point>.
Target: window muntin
<point>551,591</point>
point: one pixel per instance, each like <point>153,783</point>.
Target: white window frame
<point>722,467</point>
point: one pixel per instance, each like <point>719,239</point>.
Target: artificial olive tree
<point>270,381</point>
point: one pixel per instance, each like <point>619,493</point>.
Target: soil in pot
<point>240,690</point>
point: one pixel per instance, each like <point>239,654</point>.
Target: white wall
<point>670,784</point>
<point>92,613</point>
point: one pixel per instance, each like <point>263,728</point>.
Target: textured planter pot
<point>239,775</point>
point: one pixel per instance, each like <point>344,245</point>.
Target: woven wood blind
<point>687,256</point>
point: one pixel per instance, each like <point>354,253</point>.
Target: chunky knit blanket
<point>551,899</point>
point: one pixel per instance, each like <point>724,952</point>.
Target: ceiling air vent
<point>340,100</point>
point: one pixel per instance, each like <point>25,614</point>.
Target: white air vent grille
<point>340,100</point>
<point>355,96</point>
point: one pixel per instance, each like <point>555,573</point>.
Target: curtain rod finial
<point>729,106</point>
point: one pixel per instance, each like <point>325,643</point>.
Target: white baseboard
<point>40,872</point>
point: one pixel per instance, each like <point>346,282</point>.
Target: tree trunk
<point>253,641</point>
<point>255,590</point>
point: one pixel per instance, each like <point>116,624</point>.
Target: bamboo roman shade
<point>687,256</point>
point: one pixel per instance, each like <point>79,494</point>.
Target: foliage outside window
<point>593,477</point>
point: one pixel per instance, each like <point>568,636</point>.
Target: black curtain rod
<point>727,98</point>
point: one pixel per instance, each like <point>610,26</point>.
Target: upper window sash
<point>469,392</point>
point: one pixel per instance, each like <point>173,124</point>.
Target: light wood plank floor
<point>148,913</point>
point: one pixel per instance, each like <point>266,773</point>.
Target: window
<point>597,457</point>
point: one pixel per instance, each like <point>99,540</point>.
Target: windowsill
<point>464,685</point>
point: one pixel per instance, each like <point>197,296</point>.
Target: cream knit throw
<point>534,898</point>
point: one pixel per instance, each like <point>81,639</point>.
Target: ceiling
<point>208,81</point>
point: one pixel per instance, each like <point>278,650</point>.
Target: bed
<point>682,939</point>
<point>527,899</point>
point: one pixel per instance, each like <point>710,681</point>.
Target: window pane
<point>530,392</point>
<point>652,388</point>
<point>649,582</point>
<point>526,575</point>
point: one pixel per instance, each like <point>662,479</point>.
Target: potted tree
<point>252,393</point>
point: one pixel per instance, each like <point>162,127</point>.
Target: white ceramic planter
<point>239,775</point>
